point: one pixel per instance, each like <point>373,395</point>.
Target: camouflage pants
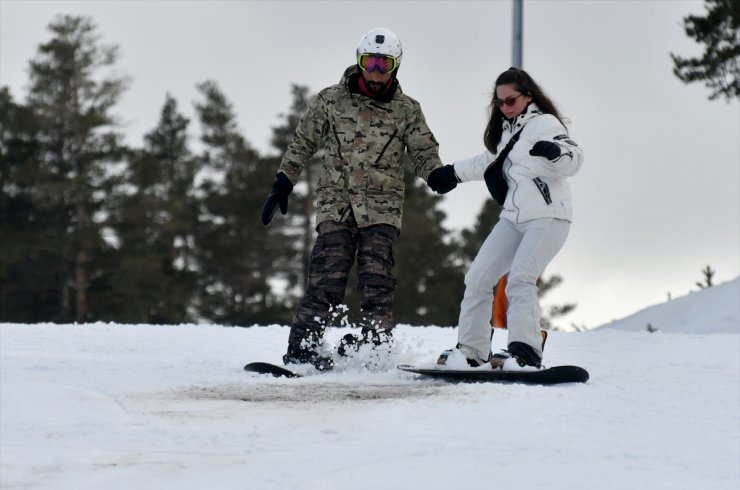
<point>332,257</point>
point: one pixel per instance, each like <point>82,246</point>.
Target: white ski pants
<point>523,250</point>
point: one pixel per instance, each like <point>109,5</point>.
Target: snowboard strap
<point>494,174</point>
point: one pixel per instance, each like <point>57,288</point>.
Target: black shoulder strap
<point>494,174</point>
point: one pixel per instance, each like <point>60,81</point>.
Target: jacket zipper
<point>544,190</point>
<point>513,190</point>
<point>386,146</point>
<point>339,143</point>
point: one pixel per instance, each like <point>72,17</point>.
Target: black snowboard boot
<point>351,343</point>
<point>308,355</point>
<point>524,354</point>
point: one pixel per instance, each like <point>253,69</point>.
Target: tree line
<point>96,230</point>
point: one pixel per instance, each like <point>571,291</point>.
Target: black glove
<point>443,179</point>
<point>281,188</point>
<point>546,149</point>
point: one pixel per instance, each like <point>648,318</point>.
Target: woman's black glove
<point>546,149</point>
<point>281,188</point>
<point>443,179</point>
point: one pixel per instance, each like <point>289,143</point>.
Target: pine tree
<point>302,215</point>
<point>155,220</point>
<point>26,259</point>
<point>545,285</point>
<point>719,66</point>
<point>72,92</point>
<point>708,273</point>
<point>472,239</point>
<point>237,256</point>
<point>430,274</point>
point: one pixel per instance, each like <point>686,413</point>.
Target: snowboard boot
<point>471,356</point>
<point>543,334</point>
<point>524,354</point>
<point>308,355</point>
<point>352,343</point>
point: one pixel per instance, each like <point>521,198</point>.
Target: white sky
<point>658,197</point>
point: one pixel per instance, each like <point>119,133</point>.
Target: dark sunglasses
<point>509,101</point>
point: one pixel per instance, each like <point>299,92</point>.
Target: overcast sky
<point>658,197</point>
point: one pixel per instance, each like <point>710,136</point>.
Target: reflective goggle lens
<point>374,62</point>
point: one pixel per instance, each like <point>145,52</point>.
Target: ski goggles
<point>377,62</point>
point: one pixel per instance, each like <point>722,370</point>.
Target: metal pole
<point>517,33</point>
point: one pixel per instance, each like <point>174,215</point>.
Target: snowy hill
<point>711,310</point>
<point>109,406</point>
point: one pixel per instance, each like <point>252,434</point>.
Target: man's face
<point>376,80</point>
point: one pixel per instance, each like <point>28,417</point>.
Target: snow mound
<point>709,311</point>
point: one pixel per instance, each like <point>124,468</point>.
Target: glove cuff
<point>452,169</point>
<point>282,183</point>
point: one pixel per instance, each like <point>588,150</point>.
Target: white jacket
<point>537,186</point>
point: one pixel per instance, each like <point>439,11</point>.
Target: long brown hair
<point>524,84</point>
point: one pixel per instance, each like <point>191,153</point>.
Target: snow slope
<point>110,406</point>
<point>711,310</point>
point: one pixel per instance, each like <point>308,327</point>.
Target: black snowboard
<point>267,368</point>
<point>549,376</point>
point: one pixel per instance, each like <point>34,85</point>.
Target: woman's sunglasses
<point>508,101</point>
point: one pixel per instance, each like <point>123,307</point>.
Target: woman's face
<point>511,102</point>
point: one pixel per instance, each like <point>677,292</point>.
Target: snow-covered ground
<point>108,406</point>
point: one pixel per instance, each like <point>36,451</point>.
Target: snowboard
<point>267,368</point>
<point>547,376</point>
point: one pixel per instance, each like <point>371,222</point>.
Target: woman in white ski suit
<point>534,222</point>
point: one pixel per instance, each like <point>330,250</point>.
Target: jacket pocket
<point>544,190</point>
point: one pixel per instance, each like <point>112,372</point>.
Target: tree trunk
<point>81,281</point>
<point>81,257</point>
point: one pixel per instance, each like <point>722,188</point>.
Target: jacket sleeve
<point>422,147</point>
<point>548,128</point>
<point>306,139</point>
<point>473,168</point>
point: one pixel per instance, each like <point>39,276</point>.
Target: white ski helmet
<point>380,41</point>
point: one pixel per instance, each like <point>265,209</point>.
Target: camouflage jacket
<point>363,141</point>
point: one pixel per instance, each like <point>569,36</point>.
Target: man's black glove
<point>546,149</point>
<point>281,188</point>
<point>443,179</point>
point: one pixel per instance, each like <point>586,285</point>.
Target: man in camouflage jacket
<point>364,125</point>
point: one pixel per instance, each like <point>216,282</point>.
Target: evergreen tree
<point>71,95</point>
<point>545,285</point>
<point>708,275</point>
<point>719,66</point>
<point>28,289</point>
<point>302,216</point>
<point>155,219</point>
<point>430,274</point>
<point>472,239</point>
<point>237,256</point>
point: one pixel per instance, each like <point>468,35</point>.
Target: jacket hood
<point>351,70</point>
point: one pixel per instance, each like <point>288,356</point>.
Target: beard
<point>375,87</point>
